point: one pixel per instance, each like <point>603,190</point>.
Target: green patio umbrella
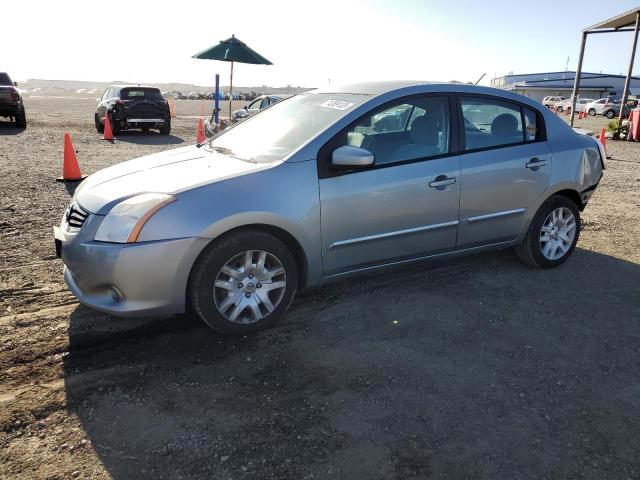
<point>232,50</point>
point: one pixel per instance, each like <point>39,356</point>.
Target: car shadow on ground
<point>478,367</point>
<point>9,128</point>
<point>148,138</point>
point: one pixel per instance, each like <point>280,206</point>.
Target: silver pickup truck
<point>11,104</point>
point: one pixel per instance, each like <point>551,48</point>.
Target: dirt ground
<point>475,368</point>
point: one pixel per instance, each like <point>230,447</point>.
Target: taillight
<point>119,102</point>
<point>14,96</point>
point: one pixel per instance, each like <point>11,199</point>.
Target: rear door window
<point>491,123</point>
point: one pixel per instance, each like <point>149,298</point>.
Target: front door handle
<point>535,163</point>
<point>441,181</point>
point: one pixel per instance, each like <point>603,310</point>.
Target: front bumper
<point>147,278</point>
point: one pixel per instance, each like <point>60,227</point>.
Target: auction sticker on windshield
<point>336,104</point>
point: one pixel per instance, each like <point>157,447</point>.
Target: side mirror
<point>348,157</point>
<point>15,84</point>
<point>246,107</point>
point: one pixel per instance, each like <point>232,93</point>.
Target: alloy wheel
<point>557,233</point>
<point>249,286</point>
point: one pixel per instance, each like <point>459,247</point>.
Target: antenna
<point>566,67</point>
<point>481,77</point>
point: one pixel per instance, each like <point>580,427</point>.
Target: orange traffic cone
<point>200,135</point>
<point>603,139</point>
<point>202,108</point>
<point>70,168</point>
<point>108,133</point>
<point>172,108</point>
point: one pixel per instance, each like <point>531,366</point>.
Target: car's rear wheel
<point>115,125</point>
<point>592,112</point>
<point>99,126</point>
<point>21,119</point>
<point>559,109</point>
<point>165,129</point>
<point>552,234</point>
<point>244,282</point>
<point>610,114</point>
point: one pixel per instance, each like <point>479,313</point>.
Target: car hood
<point>169,172</point>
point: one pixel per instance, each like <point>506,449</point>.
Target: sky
<point>310,43</point>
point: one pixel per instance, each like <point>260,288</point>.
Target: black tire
<point>559,109</point>
<point>529,251</point>
<point>592,112</point>
<point>21,119</point>
<point>610,114</point>
<point>99,126</point>
<point>166,128</point>
<point>115,125</point>
<point>215,256</point>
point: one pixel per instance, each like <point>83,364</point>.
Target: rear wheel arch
<point>572,195</point>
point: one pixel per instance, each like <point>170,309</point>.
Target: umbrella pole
<point>230,92</point>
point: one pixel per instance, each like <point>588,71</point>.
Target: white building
<point>592,85</point>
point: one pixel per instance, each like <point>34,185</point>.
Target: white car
<point>552,100</point>
<point>566,104</point>
<point>608,107</point>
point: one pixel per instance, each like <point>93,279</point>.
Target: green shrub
<point>618,129</point>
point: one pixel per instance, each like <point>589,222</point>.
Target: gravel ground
<point>471,368</point>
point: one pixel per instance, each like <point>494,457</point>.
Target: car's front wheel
<point>244,282</point>
<point>610,114</point>
<point>99,126</point>
<point>592,112</point>
<point>559,109</point>
<point>552,234</point>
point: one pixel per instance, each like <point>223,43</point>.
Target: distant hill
<point>59,87</point>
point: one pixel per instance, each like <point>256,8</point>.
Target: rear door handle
<point>441,181</point>
<point>535,163</point>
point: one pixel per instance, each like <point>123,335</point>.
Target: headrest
<point>505,124</point>
<point>424,131</point>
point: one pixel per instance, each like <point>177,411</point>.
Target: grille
<point>75,216</point>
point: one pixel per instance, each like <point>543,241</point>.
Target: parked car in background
<point>609,107</point>
<point>11,102</point>
<point>551,101</point>
<point>131,106</point>
<point>566,104</point>
<point>258,104</point>
<point>233,227</point>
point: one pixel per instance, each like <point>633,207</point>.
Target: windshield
<point>277,131</point>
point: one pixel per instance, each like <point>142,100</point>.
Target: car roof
<point>409,87</point>
<point>376,88</point>
<point>133,86</point>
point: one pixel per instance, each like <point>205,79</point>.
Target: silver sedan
<point>325,184</point>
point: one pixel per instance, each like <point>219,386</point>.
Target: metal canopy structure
<point>619,23</point>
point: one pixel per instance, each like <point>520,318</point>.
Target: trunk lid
<point>143,103</point>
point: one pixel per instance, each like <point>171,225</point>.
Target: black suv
<point>11,104</point>
<point>133,107</point>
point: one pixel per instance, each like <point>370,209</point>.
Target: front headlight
<point>125,221</point>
